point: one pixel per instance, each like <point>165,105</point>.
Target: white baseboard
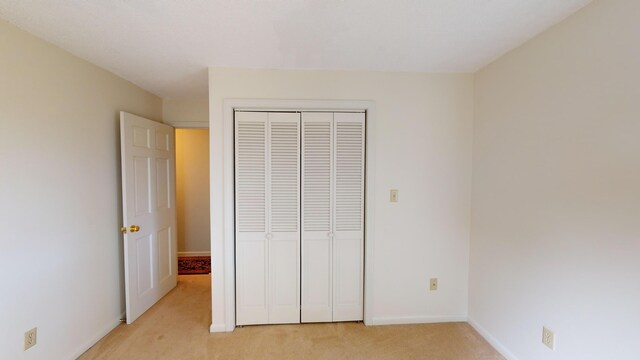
<point>218,328</point>
<point>399,320</point>
<point>492,340</point>
<point>194,253</point>
<point>99,335</point>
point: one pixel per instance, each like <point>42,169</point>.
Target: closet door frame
<point>223,287</point>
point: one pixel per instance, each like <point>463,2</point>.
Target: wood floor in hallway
<point>178,328</point>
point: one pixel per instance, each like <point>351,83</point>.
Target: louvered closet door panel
<point>317,162</point>
<point>251,218</point>
<point>284,214</point>
<point>348,216</point>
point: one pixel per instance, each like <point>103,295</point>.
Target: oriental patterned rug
<point>194,265</point>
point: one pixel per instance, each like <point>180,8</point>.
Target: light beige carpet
<point>178,328</point>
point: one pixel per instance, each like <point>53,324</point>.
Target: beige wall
<point>423,148</point>
<point>186,112</point>
<point>556,190</point>
<point>192,192</point>
<point>60,203</point>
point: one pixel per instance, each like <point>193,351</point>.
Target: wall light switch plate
<point>548,338</point>
<point>393,196</point>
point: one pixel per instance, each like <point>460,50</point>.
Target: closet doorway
<point>299,200</point>
<point>192,201</point>
<point>223,198</point>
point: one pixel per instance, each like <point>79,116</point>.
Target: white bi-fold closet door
<point>299,185</point>
<point>333,150</point>
<point>267,172</point>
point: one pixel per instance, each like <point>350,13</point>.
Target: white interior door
<point>284,218</point>
<point>267,153</point>
<point>333,216</point>
<point>252,306</point>
<point>348,216</point>
<point>317,218</point>
<point>149,213</point>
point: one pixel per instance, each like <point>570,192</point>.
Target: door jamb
<point>192,125</point>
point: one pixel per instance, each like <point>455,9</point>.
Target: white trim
<point>228,207</point>
<point>218,328</point>
<point>188,124</point>
<point>97,337</point>
<point>492,340</point>
<point>400,320</point>
<point>296,105</point>
<point>349,110</point>
<point>194,253</point>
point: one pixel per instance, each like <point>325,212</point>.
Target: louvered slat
<point>349,175</point>
<point>251,175</point>
<point>284,175</point>
<point>317,176</point>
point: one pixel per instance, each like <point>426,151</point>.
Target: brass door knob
<point>134,228</point>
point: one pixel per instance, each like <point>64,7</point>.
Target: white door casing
<point>267,217</point>
<point>148,200</point>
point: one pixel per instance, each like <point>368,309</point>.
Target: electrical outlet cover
<point>30,338</point>
<point>548,338</point>
<point>433,284</point>
<point>393,195</point>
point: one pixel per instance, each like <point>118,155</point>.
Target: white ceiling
<point>165,46</point>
